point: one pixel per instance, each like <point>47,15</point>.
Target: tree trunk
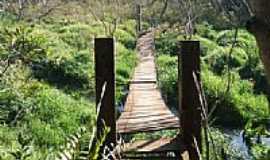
<point>259,26</point>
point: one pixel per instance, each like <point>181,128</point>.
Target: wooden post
<point>105,74</point>
<point>190,109</point>
<point>139,18</point>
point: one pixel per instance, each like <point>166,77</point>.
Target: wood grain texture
<point>145,109</point>
<point>105,74</point>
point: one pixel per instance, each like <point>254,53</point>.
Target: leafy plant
<point>254,130</point>
<point>167,43</point>
<point>25,150</point>
<point>168,78</point>
<point>19,44</point>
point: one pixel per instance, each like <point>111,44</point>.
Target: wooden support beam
<point>139,18</point>
<point>105,75</point>
<point>189,106</point>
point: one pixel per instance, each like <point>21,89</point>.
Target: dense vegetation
<point>47,82</point>
<point>47,69</point>
<point>234,82</point>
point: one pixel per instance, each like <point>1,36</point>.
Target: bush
<point>125,38</point>
<point>18,43</point>
<point>167,43</point>
<point>205,30</point>
<point>242,102</point>
<point>77,36</point>
<point>207,46</point>
<point>125,63</point>
<point>43,93</point>
<point>218,59</point>
<point>57,115</point>
<point>222,146</point>
<point>168,78</point>
<point>129,26</point>
<point>74,74</point>
<point>236,107</point>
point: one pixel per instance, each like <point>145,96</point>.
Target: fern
<point>81,146</point>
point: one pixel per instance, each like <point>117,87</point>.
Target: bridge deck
<point>145,110</point>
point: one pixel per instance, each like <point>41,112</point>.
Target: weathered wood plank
<point>160,145</point>
<point>145,109</point>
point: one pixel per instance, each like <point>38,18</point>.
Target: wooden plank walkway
<point>154,146</point>
<point>145,110</point>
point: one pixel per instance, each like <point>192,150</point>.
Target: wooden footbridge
<point>145,109</point>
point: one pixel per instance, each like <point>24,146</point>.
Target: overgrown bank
<point>234,83</point>
<point>47,81</point>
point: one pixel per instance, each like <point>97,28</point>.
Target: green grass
<point>238,106</point>
<point>167,78</point>
<point>245,99</point>
<point>51,82</point>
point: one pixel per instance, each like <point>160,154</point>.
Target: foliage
<point>129,27</point>
<point>231,103</point>
<point>240,104</point>
<point>57,114</point>
<point>19,44</point>
<point>206,30</point>
<point>71,74</point>
<point>167,76</point>
<point>167,44</point>
<point>254,131</point>
<point>235,106</point>
<point>81,145</point>
<point>47,85</point>
<point>125,38</point>
<point>25,151</point>
<point>220,148</point>
<point>125,64</point>
<point>261,152</point>
<point>257,127</point>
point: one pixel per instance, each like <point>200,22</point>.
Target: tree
<point>256,15</point>
<point>104,11</point>
<point>259,26</point>
<point>175,13</point>
<point>30,9</point>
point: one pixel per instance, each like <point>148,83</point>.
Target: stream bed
<point>237,142</point>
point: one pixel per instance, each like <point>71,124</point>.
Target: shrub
<point>220,146</point>
<point>244,39</point>
<point>125,63</point>
<point>77,36</point>
<point>241,103</point>
<point>19,44</point>
<point>260,152</point>
<point>125,38</point>
<point>166,43</point>
<point>129,26</point>
<point>207,46</point>
<point>168,78</point>
<point>205,30</point>
<point>55,115</point>
<point>75,73</point>
<point>236,107</point>
<point>43,93</point>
